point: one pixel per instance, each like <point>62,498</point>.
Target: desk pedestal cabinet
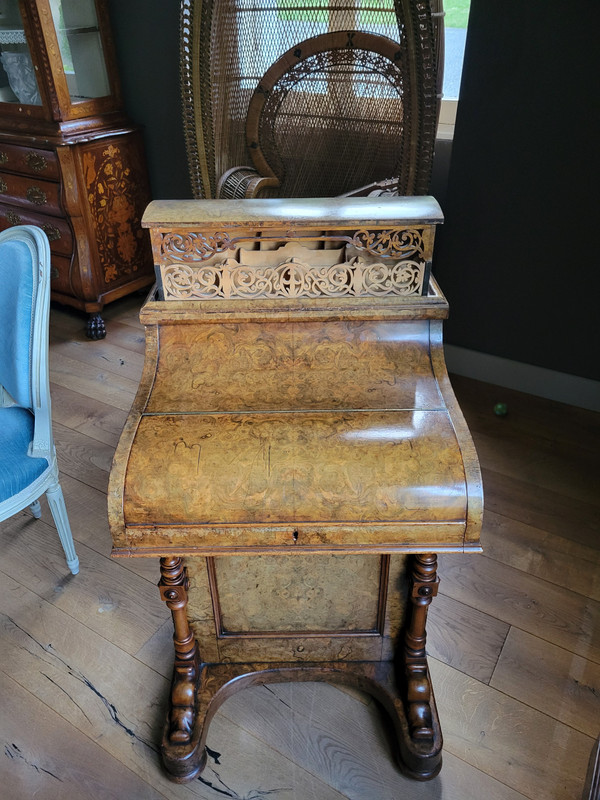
<point>295,456</point>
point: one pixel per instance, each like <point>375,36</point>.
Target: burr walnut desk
<point>295,455</point>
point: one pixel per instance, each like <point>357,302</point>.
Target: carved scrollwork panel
<point>230,280</point>
<point>194,246</point>
<point>399,243</point>
<point>394,243</point>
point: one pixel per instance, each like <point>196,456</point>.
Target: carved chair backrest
<point>228,47</point>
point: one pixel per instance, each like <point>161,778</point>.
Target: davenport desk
<point>295,455</point>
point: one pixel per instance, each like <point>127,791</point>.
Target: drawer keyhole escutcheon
<point>36,162</point>
<point>36,195</point>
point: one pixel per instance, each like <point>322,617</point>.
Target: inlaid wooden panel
<point>299,593</point>
<point>276,366</point>
<point>306,632</point>
<point>261,468</point>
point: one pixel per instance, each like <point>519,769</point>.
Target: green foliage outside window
<point>457,12</point>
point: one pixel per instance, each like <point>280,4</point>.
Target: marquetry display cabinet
<point>295,455</point>
<point>70,160</point>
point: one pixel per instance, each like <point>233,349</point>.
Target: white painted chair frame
<point>42,445</point>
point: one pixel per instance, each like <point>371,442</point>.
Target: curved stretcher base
<point>420,759</point>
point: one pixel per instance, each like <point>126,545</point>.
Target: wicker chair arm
<point>244,182</point>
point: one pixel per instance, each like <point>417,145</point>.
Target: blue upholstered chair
<point>28,465</point>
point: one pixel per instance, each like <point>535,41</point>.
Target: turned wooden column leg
<point>423,587</point>
<point>173,590</point>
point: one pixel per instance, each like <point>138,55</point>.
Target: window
<point>456,16</point>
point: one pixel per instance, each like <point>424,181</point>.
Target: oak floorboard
<point>525,601</point>
<point>87,415</point>
<point>464,638</point>
<point>86,507</point>
<point>532,752</point>
<point>123,608</point>
<point>527,415</point>
<point>541,507</point>
<point>102,354</point>
<point>157,651</point>
<point>120,704</point>
<point>348,744</point>
<point>47,758</point>
<point>555,681</point>
<point>127,311</point>
<point>87,379</point>
<point>82,457</point>
<point>555,467</point>
<point>125,328</point>
<point>563,562</point>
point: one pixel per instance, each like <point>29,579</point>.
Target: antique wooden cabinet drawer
<point>64,280</point>
<point>30,193</point>
<point>57,229</point>
<point>29,161</point>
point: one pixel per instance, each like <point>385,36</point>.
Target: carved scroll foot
<point>95,328</point>
<point>415,674</point>
<point>182,713</point>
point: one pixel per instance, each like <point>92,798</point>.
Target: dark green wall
<point>517,257</point>
<point>517,254</point>
<point>146,37</point>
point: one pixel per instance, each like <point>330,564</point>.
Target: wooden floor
<point>514,637</point>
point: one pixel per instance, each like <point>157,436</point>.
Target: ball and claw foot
<point>95,328</point>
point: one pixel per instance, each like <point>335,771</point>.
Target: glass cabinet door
<point>80,43</point>
<point>17,76</point>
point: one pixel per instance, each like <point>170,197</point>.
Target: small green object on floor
<point>500,409</point>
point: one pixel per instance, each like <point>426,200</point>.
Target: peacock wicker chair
<point>311,98</point>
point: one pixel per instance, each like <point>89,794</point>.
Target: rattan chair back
<point>358,104</point>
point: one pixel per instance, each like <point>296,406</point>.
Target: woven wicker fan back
<point>329,115</point>
<point>229,45</point>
